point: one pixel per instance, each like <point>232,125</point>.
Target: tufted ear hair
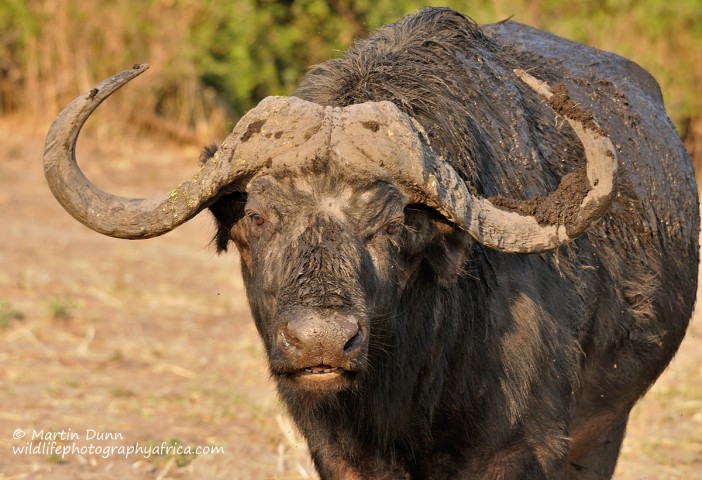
<point>436,242</point>
<point>227,211</point>
<point>448,253</point>
<point>208,151</point>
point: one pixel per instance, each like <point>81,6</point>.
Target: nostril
<point>295,335</point>
<point>354,342</point>
<point>285,340</point>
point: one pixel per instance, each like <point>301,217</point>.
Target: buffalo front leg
<point>599,462</point>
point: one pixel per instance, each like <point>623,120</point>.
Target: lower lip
<point>307,376</point>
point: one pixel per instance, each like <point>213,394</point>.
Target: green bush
<point>212,61</point>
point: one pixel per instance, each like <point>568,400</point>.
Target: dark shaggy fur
<point>482,364</point>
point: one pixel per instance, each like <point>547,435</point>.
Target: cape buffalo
<point>468,250</point>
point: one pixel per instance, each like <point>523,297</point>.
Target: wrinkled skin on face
<point>326,258</point>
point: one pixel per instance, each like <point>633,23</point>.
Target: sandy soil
<point>108,343</point>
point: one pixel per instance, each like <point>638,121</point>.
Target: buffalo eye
<point>391,228</point>
<point>257,219</point>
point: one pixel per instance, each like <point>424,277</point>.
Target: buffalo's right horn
<point>117,216</point>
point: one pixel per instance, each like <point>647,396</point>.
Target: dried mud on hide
<point>564,105</point>
<point>559,208</point>
<point>562,206</point>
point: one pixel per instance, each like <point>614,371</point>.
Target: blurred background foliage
<point>212,60</point>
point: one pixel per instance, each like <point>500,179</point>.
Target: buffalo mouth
<point>320,373</point>
<point>322,378</point>
<point>321,369</point>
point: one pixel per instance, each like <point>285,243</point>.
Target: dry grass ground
<point>151,342</point>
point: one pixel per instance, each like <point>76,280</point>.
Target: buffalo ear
<point>435,242</point>
<point>448,253</point>
<point>227,211</point>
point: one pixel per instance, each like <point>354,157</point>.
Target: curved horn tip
<point>542,88</point>
<point>117,80</point>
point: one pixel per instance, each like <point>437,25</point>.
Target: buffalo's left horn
<point>117,216</point>
<point>506,225</point>
<point>514,231</point>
